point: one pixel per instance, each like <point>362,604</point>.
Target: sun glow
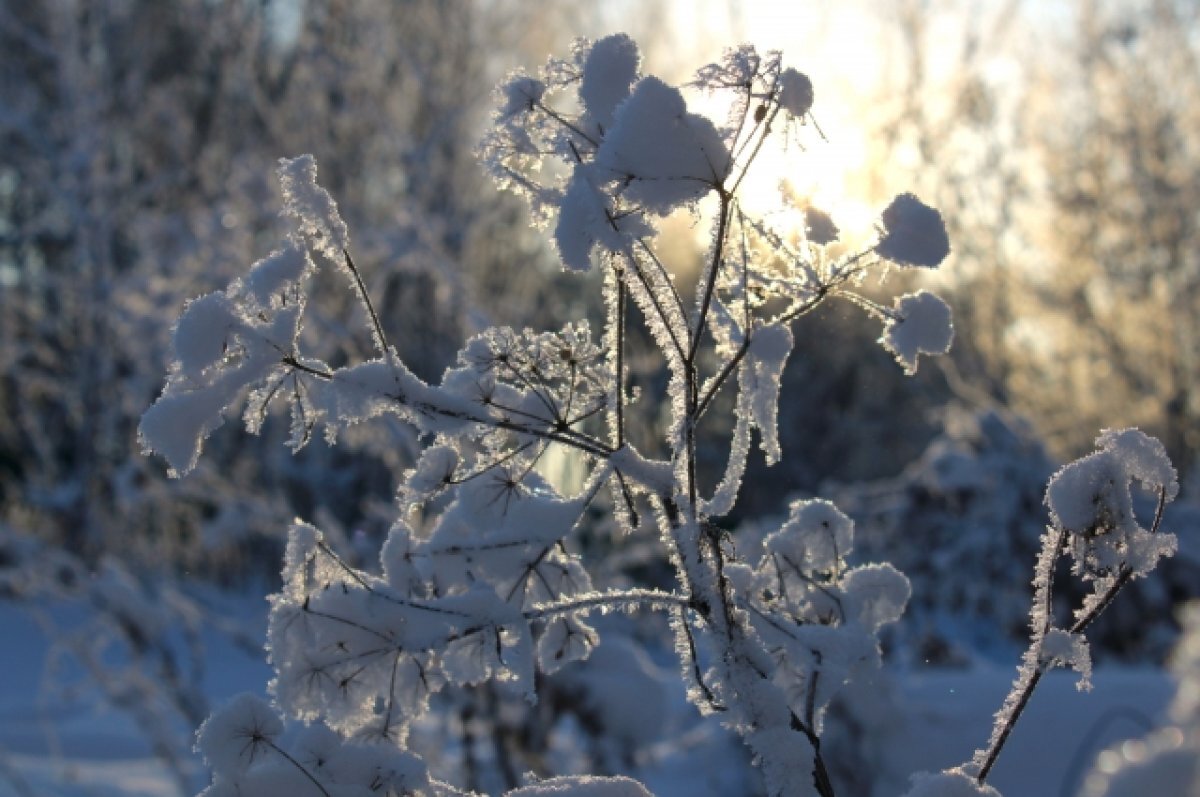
<point>824,174</point>
<point>823,164</point>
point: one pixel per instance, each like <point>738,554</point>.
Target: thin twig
<point>710,277</point>
<point>380,338</point>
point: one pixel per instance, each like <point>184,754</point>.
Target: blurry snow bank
<point>61,737</point>
<point>64,743</point>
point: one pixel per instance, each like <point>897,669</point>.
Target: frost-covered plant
<point>480,577</point>
<point>1092,522</point>
<point>959,519</point>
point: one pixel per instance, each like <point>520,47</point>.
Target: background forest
<point>138,141</point>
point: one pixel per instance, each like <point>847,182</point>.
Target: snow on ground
<point>1055,742</point>
<point>59,738</point>
<point>64,743</point>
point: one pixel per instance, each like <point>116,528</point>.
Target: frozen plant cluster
<point>1091,503</point>
<point>480,578</point>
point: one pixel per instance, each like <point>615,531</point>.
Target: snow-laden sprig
<point>313,209</point>
<point>661,155</point>
<point>1093,519</point>
<point>245,340</point>
<point>817,616</point>
<point>222,349</point>
<point>1092,499</point>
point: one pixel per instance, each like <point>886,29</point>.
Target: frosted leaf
<point>566,639</point>
<point>562,72</point>
<point>434,471</point>
<point>519,94</point>
<point>760,379</point>
<point>819,227</point>
<point>795,92</point>
<point>276,271</point>
<point>582,786</point>
<point>875,595</point>
<point>396,557</point>
<point>654,475</point>
<point>1143,457</point>
<point>610,69</point>
<point>239,734</point>
<point>664,156</point>
<point>743,578</point>
<point>474,658</point>
<point>176,425</point>
<point>496,528</point>
<point>838,652</point>
<point>1091,497</point>
<point>315,747</point>
<point>360,392</point>
<point>303,543</point>
<point>1061,648</point>
<point>312,207</point>
<point>915,234</point>
<point>921,324</point>
<point>201,335</point>
<point>1144,549</point>
<point>816,536</point>
<point>952,783</point>
<point>556,575</point>
<point>189,409</point>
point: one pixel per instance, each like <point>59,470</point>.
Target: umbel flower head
<point>914,234</point>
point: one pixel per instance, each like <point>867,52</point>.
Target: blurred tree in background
<point>138,139</point>
<point>1120,286</point>
<point>1061,133</point>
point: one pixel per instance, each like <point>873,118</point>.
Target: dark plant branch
<point>380,338</point>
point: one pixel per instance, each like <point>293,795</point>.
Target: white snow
<point>582,786</point>
<point>610,70</point>
<point>201,335</point>
<point>97,752</point>
<point>312,207</point>
<point>915,234</point>
<point>666,156</point>
<point>920,324</point>
<point>239,734</point>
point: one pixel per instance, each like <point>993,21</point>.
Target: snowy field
<point>57,742</point>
